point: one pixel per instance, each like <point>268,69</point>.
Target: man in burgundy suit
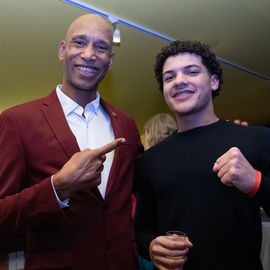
<point>73,203</point>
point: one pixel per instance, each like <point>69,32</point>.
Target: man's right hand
<point>162,250</point>
<point>83,170</point>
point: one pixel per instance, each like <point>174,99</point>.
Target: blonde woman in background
<point>157,128</point>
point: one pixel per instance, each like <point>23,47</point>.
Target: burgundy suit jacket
<point>92,233</point>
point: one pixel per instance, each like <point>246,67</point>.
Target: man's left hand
<point>234,170</point>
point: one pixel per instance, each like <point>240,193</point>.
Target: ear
<point>214,82</point>
<point>61,50</point>
<point>111,60</point>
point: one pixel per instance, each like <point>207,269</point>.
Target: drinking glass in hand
<point>177,236</point>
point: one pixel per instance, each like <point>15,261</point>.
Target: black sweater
<point>177,189</point>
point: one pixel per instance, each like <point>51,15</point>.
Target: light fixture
<point>116,34</point>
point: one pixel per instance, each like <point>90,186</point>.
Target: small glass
<point>178,236</point>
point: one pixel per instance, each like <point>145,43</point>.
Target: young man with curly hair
<point>208,179</point>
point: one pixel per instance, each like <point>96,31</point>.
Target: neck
<point>189,121</point>
<point>81,97</point>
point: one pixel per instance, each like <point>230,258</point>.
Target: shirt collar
<point>70,105</point>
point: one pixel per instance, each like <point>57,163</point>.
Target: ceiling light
<point>116,35</point>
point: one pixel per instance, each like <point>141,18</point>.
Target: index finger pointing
<point>110,146</point>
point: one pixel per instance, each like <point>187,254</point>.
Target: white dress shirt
<point>92,128</point>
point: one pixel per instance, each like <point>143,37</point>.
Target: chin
<point>85,86</point>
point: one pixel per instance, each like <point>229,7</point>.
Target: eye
<point>168,77</point>
<point>79,43</point>
<point>102,47</point>
<point>193,72</point>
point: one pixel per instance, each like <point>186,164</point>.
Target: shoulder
<point>31,106</point>
<point>261,134</point>
<point>28,114</point>
<point>253,130</point>
<point>251,139</point>
<point>249,130</point>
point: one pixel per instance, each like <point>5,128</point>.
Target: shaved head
<point>88,20</point>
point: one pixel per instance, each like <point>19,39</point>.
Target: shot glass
<point>177,236</point>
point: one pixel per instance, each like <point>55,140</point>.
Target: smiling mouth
<point>87,70</point>
<point>183,94</point>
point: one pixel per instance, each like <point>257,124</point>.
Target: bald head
<point>91,21</point>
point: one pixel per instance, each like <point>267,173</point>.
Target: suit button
<point>108,245</point>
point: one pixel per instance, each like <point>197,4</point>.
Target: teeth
<point>182,94</point>
<point>87,69</point>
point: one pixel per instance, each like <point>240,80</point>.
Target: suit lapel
<point>117,133</point>
<point>55,117</point>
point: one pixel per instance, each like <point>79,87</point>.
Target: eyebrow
<point>168,71</point>
<point>191,66</point>
<point>84,37</point>
<point>186,67</point>
<point>79,36</point>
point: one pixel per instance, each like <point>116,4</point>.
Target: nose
<point>180,81</point>
<point>181,78</point>
<point>88,53</point>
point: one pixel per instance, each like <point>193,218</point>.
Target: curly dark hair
<point>208,59</point>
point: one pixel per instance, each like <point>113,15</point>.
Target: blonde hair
<point>158,128</point>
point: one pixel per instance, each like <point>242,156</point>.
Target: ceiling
<point>237,30</point>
